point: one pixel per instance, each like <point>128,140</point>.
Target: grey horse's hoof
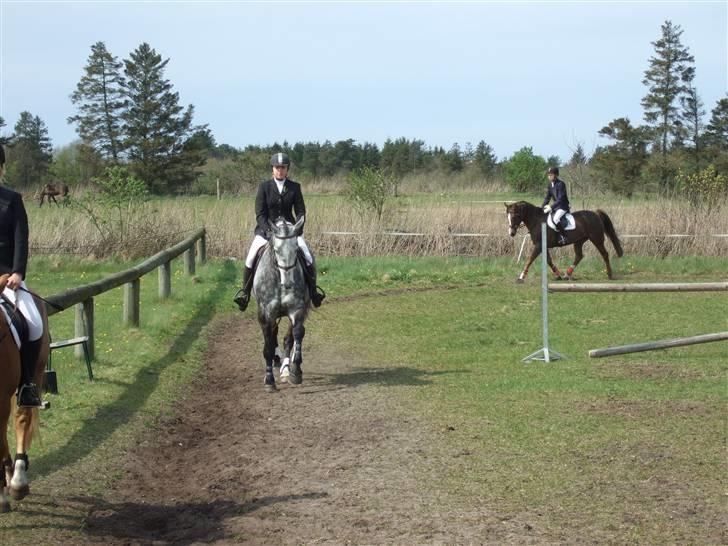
<point>519,280</point>
<point>295,376</point>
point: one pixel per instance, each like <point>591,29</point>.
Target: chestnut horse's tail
<point>611,233</point>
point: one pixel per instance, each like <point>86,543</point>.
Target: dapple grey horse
<point>280,289</point>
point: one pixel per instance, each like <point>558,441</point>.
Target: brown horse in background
<point>13,478</point>
<point>590,226</point>
<point>51,191</point>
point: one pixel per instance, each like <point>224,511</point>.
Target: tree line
<point>128,116</point>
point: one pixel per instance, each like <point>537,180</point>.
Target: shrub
<point>525,171</point>
<point>368,189</point>
<point>704,188</point>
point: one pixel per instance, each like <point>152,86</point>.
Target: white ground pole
<point>544,354</point>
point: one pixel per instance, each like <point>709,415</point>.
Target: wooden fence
<point>193,248</point>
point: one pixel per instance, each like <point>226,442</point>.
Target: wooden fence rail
<point>83,296</point>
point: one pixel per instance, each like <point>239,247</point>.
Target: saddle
<point>16,322</point>
<point>571,223</point>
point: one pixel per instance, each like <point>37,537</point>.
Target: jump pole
<point>663,344</point>
<point>640,287</point>
<point>544,354</point>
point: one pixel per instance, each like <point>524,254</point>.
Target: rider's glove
<point>547,209</point>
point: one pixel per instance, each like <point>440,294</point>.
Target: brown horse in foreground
<point>13,478</point>
<point>51,191</point>
<point>590,226</point>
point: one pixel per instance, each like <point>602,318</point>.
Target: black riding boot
<point>561,228</point>
<point>316,296</point>
<point>242,296</point>
<point>28,391</point>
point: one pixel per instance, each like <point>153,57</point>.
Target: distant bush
<point>368,189</point>
<point>705,188</point>
<point>525,171</point>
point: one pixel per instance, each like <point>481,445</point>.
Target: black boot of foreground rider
<point>27,391</point>
<point>316,297</point>
<point>242,296</point>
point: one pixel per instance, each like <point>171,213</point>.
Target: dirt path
<point>336,460</point>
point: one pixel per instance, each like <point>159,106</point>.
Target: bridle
<point>275,254</point>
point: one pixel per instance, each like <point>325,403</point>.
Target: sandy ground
<point>336,460</point>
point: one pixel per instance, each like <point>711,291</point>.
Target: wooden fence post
<point>190,261</point>
<point>84,326</point>
<point>131,303</point>
<point>165,280</point>
<point>202,250</point>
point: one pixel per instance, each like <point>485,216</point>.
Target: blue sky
<point>543,74</point>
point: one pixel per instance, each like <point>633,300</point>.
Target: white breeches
<point>26,305</point>
<point>259,242</point>
<point>557,215</point>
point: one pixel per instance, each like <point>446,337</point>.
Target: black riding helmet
<point>553,170</point>
<point>280,159</point>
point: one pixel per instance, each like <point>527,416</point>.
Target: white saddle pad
<point>569,218</point>
<point>6,318</point>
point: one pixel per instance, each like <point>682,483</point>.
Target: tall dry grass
<point>441,224</point>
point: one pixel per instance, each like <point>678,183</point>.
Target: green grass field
<point>638,436</point>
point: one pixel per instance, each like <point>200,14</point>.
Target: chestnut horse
<point>50,191</point>
<point>13,478</point>
<point>590,226</point>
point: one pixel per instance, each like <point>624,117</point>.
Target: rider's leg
<point>316,296</point>
<point>560,223</point>
<point>242,297</point>
<point>27,390</point>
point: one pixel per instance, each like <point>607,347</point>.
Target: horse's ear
<point>298,226</point>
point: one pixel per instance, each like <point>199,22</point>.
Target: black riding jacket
<point>13,233</point>
<point>270,204</point>
<point>557,192</point>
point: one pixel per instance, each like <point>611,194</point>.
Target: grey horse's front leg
<point>296,377</point>
<point>269,349</point>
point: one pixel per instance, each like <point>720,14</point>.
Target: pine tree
<point>716,132</point>
<point>32,151</point>
<point>578,157</point>
<point>485,158</point>
<point>692,117</point>
<point>619,166</point>
<point>157,128</point>
<point>100,99</point>
<point>668,78</point>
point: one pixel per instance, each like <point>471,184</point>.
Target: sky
<point>548,75</point>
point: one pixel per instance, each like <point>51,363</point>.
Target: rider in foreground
<point>14,260</point>
<point>277,197</point>
<point>557,192</point>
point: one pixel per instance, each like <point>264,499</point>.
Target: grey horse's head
<point>284,244</point>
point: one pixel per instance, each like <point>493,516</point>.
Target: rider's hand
<point>547,209</point>
<point>14,281</point>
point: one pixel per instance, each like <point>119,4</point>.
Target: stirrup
<point>241,299</point>
<point>28,396</point>
<point>317,297</point>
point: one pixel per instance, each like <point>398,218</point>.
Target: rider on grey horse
<point>277,197</point>
<point>557,192</point>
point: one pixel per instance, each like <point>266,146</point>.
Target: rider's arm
<point>20,256</point>
<point>261,208</point>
